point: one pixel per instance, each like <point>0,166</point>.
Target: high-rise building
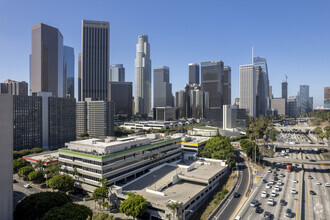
<point>310,102</point>
<point>69,71</point>
<point>162,87</point>
<point>6,156</point>
<point>142,90</point>
<point>97,117</point>
<point>326,97</point>
<point>95,60</point>
<point>291,107</point>
<point>193,73</point>
<point>260,92</point>
<point>262,62</point>
<point>271,92</point>
<point>234,117</point>
<point>227,86</point>
<point>166,113</point>
<point>303,100</point>
<point>14,87</point>
<point>248,89</point>
<point>47,60</point>
<point>117,73</point>
<point>120,93</point>
<point>285,90</point>
<point>279,104</point>
<point>79,77</point>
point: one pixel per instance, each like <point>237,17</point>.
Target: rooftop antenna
<point>252,56</point>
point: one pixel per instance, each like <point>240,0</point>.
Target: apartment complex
<point>14,87</point>
<point>117,160</point>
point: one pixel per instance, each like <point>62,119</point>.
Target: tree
<point>61,182</point>
<point>25,171</point>
<point>69,211</point>
<point>103,181</point>
<point>36,176</point>
<point>19,163</point>
<point>53,168</point>
<point>101,193</point>
<point>102,216</point>
<point>135,205</point>
<point>174,207</point>
<point>36,205</point>
<point>39,165</point>
<point>84,134</point>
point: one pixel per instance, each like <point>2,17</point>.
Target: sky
<point>294,36</point>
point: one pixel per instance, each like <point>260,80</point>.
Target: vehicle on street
<point>293,191</point>
<point>269,170</point>
<point>236,195</point>
<point>312,160</point>
<point>289,213</point>
<point>27,186</point>
<point>282,175</point>
<point>279,183</point>
<point>282,202</point>
<point>273,194</point>
<point>312,192</point>
<point>264,181</point>
<point>318,183</point>
<point>267,215</point>
<point>254,203</point>
<point>259,209</point>
<point>271,202</point>
<point>327,184</point>
<point>310,177</point>
<point>263,194</point>
<point>295,181</point>
<point>238,218</point>
<point>268,186</point>
<point>277,188</point>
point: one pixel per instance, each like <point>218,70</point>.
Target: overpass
<point>302,146</point>
<point>297,161</point>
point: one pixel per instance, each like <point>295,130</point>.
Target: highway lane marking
<point>298,197</point>
<point>309,214</point>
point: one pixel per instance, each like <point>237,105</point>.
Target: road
<point>316,206</point>
<point>20,192</point>
<point>229,207</point>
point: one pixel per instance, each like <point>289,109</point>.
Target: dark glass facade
<point>121,94</point>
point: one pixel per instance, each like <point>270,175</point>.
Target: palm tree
<point>174,207</point>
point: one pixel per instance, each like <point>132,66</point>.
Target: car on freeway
<point>268,215</point>
<point>254,203</point>
<point>272,182</point>
<point>259,209</point>
<point>268,186</point>
<point>282,202</point>
<point>310,177</point>
<point>306,157</point>
<point>264,181</point>
<point>238,218</point>
<point>271,202</point>
<point>263,194</point>
<point>269,170</point>
<point>273,194</point>
<point>289,213</point>
<point>27,186</point>
<point>295,181</point>
<point>236,194</point>
<point>282,175</point>
<point>312,160</point>
<point>312,192</point>
<point>279,183</point>
<point>327,184</point>
<point>277,188</point>
<point>318,183</point>
<point>314,169</point>
<point>293,191</point>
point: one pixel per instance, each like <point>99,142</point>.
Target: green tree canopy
<point>25,171</point>
<point>102,216</point>
<point>84,134</point>
<point>21,153</point>
<point>19,163</point>
<point>135,205</point>
<point>249,148</point>
<point>36,176</point>
<point>69,211</point>
<point>61,182</point>
<point>36,205</point>
<point>101,192</point>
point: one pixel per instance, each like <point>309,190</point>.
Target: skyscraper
<point>248,89</point>
<point>69,71</point>
<point>227,86</point>
<point>260,92</point>
<point>285,90</point>
<point>193,73</point>
<point>120,93</point>
<point>13,87</point>
<point>303,100</point>
<point>95,60</point>
<point>326,97</point>
<point>142,90</point>
<point>47,60</point>
<point>117,73</point>
<point>162,87</point>
<point>262,62</point>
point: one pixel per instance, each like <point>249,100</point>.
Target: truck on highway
<point>289,167</point>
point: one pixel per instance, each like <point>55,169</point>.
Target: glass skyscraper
<point>69,71</point>
<point>162,87</point>
<point>262,62</point>
<point>117,73</point>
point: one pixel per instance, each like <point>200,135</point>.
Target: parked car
<point>282,175</point>
<point>269,170</point>
<point>264,181</point>
<point>14,181</point>
<point>277,188</point>
<point>273,194</point>
<point>295,181</point>
<point>268,186</point>
<point>310,177</point>
<point>27,186</point>
<point>268,215</point>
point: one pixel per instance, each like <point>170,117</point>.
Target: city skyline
<point>233,50</point>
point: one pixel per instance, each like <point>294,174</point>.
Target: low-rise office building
<point>191,145</point>
<point>117,160</point>
<point>148,125</point>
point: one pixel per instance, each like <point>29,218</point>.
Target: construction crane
<point>286,78</point>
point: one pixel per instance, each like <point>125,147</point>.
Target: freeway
<point>227,210</point>
<point>297,161</point>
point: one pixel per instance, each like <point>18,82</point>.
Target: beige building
<point>279,104</point>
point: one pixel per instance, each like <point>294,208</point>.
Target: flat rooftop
<point>196,140</point>
<point>46,157</point>
<point>181,191</point>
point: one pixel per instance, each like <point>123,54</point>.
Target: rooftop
<point>47,157</point>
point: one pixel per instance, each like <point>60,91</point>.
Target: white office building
<point>248,89</point>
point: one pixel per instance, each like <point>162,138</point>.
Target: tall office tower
<point>13,87</point>
<point>142,90</point>
<point>117,73</point>
<point>193,73</point>
<point>262,62</point>
<point>120,93</point>
<point>79,77</point>
<point>47,60</point>
<point>271,92</point>
<point>310,102</point>
<point>95,117</point>
<point>260,92</point>
<point>166,113</point>
<point>285,90</point>
<point>248,89</point>
<point>303,100</point>
<point>6,156</point>
<point>180,102</point>
<point>326,97</point>
<point>291,107</point>
<point>227,86</point>
<point>69,71</point>
<point>95,60</point>
<point>162,87</point>
<point>279,104</point>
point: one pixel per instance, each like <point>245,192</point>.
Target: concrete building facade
<point>166,113</point>
<point>117,73</point>
<point>227,85</point>
<point>14,87</point>
<point>193,73</point>
<point>279,104</point>
<point>120,93</point>
<point>326,97</point>
<point>95,55</point>
<point>6,156</point>
<point>142,90</point>
<point>292,107</point>
<point>248,89</point>
<point>162,87</point>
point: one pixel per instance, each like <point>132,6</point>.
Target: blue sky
<point>294,36</point>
